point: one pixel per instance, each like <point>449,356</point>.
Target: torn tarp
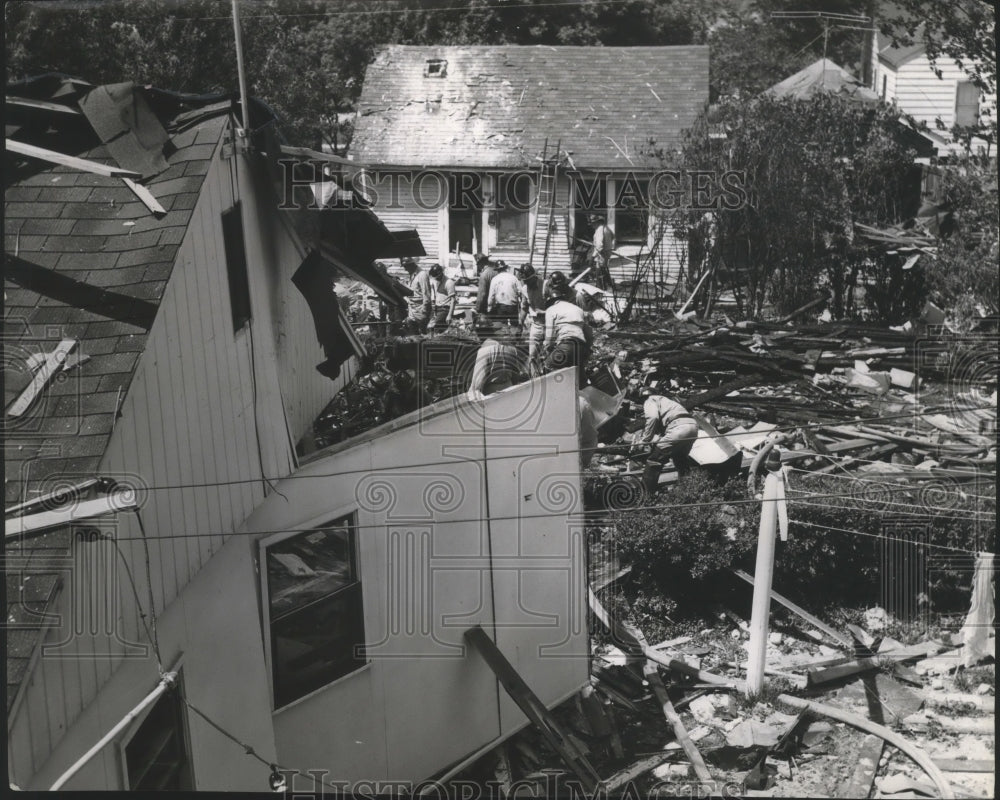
<point>314,278</point>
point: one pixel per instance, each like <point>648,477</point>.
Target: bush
<point>679,551</point>
<point>836,551</point>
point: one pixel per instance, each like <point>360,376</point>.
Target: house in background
<point>940,95</point>
<point>170,337</point>
<point>455,138</point>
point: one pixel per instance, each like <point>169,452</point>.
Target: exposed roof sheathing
<point>495,106</point>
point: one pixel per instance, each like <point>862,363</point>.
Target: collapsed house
<point>507,150</point>
<point>177,572</point>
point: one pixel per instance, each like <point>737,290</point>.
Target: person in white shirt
<point>672,431</point>
<point>445,298</point>
<point>568,336</point>
<point>504,296</point>
<point>419,301</point>
<point>532,315</point>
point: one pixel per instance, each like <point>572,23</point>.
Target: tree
<point>811,169</point>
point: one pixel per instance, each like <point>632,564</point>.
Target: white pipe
<point>762,577</point>
<point>239,65</point>
<point>165,683</point>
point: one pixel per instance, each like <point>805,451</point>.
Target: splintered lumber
<point>146,196</point>
<point>82,164</point>
<point>533,708</point>
<point>502,769</point>
<point>620,779</point>
<point>961,765</point>
<point>598,721</point>
<point>652,673</point>
<point>819,624</point>
<point>914,651</point>
<point>53,363</point>
<point>860,784</point>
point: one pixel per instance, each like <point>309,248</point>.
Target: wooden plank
<point>861,780</point>
<point>963,765</point>
<point>620,780</point>
<point>532,707</point>
<point>53,363</point>
<point>817,623</point>
<point>145,196</point>
<point>652,675</point>
<point>82,164</point>
<point>109,504</point>
<point>45,105</point>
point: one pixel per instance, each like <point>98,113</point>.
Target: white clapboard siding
<point>187,436</point>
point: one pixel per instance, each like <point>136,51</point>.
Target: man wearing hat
<point>568,336</point>
<point>486,274</point>
<point>532,314</point>
<point>420,302</point>
<point>445,297</point>
<point>671,430</point>
<point>504,297</point>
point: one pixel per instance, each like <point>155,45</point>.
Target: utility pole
<point>240,71</point>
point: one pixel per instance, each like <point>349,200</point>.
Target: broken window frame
<point>289,687</point>
<point>508,218</point>
<point>436,68</point>
<point>629,233</point>
<point>185,765</point>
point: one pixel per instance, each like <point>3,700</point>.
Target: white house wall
<point>431,566</point>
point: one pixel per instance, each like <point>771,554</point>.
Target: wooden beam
<point>534,709</point>
<point>860,783</point>
<point>961,765</point>
<point>53,363</point>
<point>45,105</point>
<point>109,504</point>
<point>82,164</point>
<point>832,633</point>
<point>146,196</point>
<point>621,779</point>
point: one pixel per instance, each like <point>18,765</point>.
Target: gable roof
<point>823,76</point>
<point>895,56</point>
<point>85,259</point>
<point>496,106</point>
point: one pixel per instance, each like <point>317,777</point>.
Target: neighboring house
<point>940,95</point>
<point>170,336</point>
<point>455,138</point>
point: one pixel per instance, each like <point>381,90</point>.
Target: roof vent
<point>435,68</point>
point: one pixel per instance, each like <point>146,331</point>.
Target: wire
<point>248,749</point>
<point>138,603</point>
<point>154,639</point>
<point>405,10</point>
<point>590,514</point>
<point>883,536</point>
<point>456,460</point>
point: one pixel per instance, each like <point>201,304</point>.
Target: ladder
<point>545,198</point>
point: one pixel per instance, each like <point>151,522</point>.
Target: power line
<point>458,460</point>
<point>882,536</point>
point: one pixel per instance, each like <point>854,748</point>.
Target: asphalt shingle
<point>496,106</point>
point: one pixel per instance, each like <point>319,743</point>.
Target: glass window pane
<point>313,564</point>
<point>317,645</point>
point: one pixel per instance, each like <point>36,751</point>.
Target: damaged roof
<point>484,106</point>
<point>86,261</point>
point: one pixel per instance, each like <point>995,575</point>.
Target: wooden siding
<point>916,89</point>
<point>431,221</point>
<point>187,438</point>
